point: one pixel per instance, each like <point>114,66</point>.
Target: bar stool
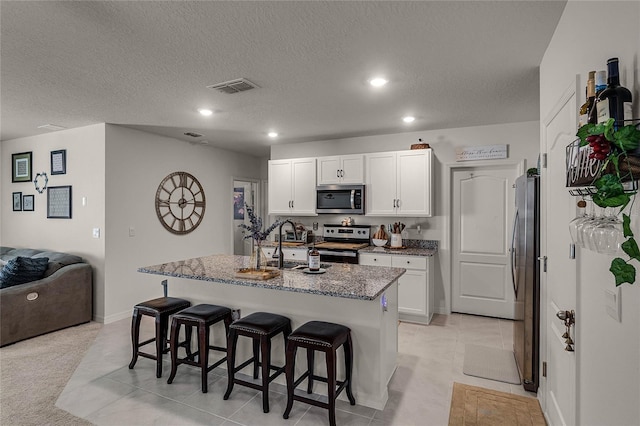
<point>326,337</point>
<point>261,327</point>
<point>203,317</point>
<point>160,308</point>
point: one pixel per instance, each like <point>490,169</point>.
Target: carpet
<point>476,406</point>
<point>34,372</point>
<point>490,363</point>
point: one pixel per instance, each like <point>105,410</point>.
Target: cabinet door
<point>414,183</point>
<point>303,186</point>
<point>380,171</point>
<point>412,292</point>
<point>371,259</point>
<point>280,186</point>
<point>352,169</point>
<point>328,170</point>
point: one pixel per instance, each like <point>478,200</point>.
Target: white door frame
<point>447,248</point>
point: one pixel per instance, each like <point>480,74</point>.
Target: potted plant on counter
<point>254,231</point>
<point>616,149</point>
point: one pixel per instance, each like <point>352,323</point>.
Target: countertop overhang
<point>340,280</point>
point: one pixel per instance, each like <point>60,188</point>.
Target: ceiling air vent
<point>234,86</point>
<point>193,134</point>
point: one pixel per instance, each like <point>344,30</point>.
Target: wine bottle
<point>614,101</point>
<point>601,84</point>
<point>314,259</point>
<point>589,100</point>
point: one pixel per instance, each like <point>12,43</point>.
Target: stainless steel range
<point>341,243</point>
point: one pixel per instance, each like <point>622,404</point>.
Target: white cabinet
<point>399,183</point>
<point>298,254</point>
<point>415,287</point>
<point>292,187</point>
<point>345,169</point>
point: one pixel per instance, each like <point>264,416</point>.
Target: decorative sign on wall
<point>487,152</point>
<point>21,167</point>
<point>59,202</point>
<point>59,162</point>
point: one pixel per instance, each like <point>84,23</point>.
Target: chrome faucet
<point>278,253</point>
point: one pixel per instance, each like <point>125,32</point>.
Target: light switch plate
<point>96,232</point>
<point>612,303</point>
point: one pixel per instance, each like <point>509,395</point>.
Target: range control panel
<point>352,232</point>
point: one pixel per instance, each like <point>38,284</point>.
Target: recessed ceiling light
<point>378,81</point>
<point>408,119</point>
<point>272,134</point>
<point>205,112</point>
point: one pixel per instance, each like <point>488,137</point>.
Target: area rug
<point>490,363</point>
<point>476,406</point>
<point>34,372</point>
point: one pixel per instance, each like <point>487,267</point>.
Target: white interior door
<point>483,206</point>
<point>559,282</point>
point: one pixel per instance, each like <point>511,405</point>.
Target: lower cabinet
<point>297,254</point>
<point>415,287</point>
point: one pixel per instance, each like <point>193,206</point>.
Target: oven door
<point>339,256</point>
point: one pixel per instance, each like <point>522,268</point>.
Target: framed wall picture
<point>59,202</point>
<point>17,201</point>
<point>21,167</point>
<point>28,203</point>
<point>59,162</point>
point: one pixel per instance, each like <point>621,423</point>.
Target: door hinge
<point>544,368</point>
<point>544,160</point>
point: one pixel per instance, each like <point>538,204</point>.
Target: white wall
<point>608,384</point>
<point>522,138</point>
<point>136,164</point>
<point>85,173</point>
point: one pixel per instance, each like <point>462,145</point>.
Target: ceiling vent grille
<point>234,86</point>
<point>193,134</point>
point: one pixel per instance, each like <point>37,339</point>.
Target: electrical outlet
<point>132,231</point>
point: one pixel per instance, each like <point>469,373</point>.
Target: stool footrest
<point>146,355</point>
<point>146,342</point>
<point>310,401</point>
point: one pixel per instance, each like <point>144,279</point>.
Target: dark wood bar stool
<point>261,327</point>
<point>326,337</point>
<point>203,317</point>
<point>160,308</point>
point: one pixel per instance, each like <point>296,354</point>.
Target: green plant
<point>613,147</point>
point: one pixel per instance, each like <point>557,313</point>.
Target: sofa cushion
<point>4,250</point>
<point>57,260</point>
<point>22,270</point>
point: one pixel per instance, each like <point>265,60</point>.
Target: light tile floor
<point>105,392</point>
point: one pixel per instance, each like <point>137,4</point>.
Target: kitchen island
<point>363,298</point>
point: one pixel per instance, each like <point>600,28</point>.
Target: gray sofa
<point>62,298</point>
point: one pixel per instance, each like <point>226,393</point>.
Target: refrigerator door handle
<point>513,255</point>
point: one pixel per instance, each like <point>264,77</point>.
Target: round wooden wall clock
<point>180,203</point>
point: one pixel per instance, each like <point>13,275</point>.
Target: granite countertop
<point>408,251</point>
<point>340,280</point>
<point>412,248</point>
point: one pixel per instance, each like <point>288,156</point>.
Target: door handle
<point>514,278</point>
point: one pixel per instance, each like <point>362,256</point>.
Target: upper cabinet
<point>399,183</point>
<point>344,169</point>
<point>292,187</point>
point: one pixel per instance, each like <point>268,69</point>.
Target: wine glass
<point>580,227</point>
<point>582,216</point>
<point>608,235</point>
<point>587,231</point>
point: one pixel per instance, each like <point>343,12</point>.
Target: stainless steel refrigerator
<point>525,250</point>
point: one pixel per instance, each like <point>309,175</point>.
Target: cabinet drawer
<point>294,254</point>
<point>409,262</point>
<point>375,259</point>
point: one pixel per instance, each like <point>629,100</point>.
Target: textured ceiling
<point>146,64</point>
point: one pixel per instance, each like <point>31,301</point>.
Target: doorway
<point>244,192</point>
<point>482,213</point>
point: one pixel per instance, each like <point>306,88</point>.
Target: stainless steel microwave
<point>340,199</point>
